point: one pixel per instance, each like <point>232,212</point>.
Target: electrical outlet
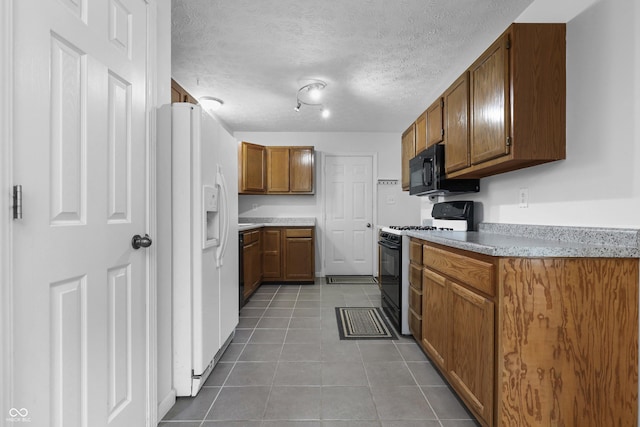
<point>523,198</point>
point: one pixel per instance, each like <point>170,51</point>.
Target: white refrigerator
<point>203,221</point>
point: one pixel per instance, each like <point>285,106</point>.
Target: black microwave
<point>427,176</point>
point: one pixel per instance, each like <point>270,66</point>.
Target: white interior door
<point>348,215</point>
<point>79,304</point>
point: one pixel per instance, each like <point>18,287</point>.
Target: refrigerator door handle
<point>224,220</point>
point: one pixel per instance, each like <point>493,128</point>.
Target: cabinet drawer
<point>415,251</point>
<point>471,271</point>
<point>415,276</point>
<point>299,232</point>
<point>251,236</point>
<point>415,300</point>
<point>415,325</point>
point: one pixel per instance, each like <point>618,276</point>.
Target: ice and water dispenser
<point>211,216</point>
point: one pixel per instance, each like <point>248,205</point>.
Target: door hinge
<point>441,102</point>
<point>442,133</point>
<point>508,141</point>
<point>17,202</point>
<point>508,45</point>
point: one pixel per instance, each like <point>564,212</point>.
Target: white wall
<point>599,182</point>
<point>393,205</point>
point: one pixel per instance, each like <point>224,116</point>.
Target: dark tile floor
<point>287,367</point>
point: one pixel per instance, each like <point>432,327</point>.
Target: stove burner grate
<point>413,227</point>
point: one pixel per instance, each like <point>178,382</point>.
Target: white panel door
<point>349,215</point>
<point>79,304</point>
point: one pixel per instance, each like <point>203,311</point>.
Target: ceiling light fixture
<point>211,103</point>
<point>310,94</point>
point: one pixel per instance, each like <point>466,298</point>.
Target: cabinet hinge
<point>508,141</point>
<point>442,102</point>
<point>508,46</point>
<point>17,202</point>
<point>442,133</point>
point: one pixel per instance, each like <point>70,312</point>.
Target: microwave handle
<point>427,180</point>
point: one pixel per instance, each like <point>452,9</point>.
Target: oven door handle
<point>389,245</point>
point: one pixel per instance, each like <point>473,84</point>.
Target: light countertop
<point>250,223</point>
<point>515,240</point>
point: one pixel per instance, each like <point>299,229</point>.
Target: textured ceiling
<point>383,61</point>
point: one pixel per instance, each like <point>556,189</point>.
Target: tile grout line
<point>235,363</point>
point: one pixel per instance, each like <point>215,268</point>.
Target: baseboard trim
<point>166,404</point>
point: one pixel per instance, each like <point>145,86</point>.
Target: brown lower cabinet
<point>533,341</point>
<point>415,289</point>
<point>272,253</point>
<point>252,259</point>
<point>278,254</point>
<point>289,254</point>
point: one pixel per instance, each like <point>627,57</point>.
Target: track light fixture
<point>310,94</point>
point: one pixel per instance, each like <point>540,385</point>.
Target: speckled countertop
<point>516,240</point>
<point>250,223</point>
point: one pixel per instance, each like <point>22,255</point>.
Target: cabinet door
<point>489,80</point>
<point>299,254</point>
<point>251,254</point>
<point>278,169</point>
<point>456,122</point>
<point>470,363</point>
<point>176,95</point>
<point>272,254</point>
<point>408,152</point>
<point>421,132</point>
<point>435,130</point>
<point>435,335</point>
<point>253,161</point>
<point>301,166</point>
<point>179,94</point>
<point>415,313</point>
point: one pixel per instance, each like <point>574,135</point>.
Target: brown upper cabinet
<point>517,102</point>
<point>252,162</point>
<point>301,164</point>
<point>408,152</point>
<point>426,131</point>
<point>456,121</point>
<point>278,178</point>
<point>179,94</point>
<point>506,112</point>
<point>284,170</point>
<point>435,130</point>
<point>420,126</point>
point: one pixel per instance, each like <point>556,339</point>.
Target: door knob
<point>368,225</point>
<point>138,241</point>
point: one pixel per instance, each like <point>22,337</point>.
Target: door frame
<point>6,224</point>
<point>374,204</point>
<point>6,172</point>
<point>151,339</point>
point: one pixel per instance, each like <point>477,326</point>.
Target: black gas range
<point>393,244</point>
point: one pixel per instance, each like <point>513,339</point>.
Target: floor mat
<point>351,280</point>
<point>363,323</point>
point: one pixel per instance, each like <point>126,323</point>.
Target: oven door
<point>390,274</point>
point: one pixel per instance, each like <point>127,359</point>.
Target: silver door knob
<point>138,241</point>
<point>368,225</point>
